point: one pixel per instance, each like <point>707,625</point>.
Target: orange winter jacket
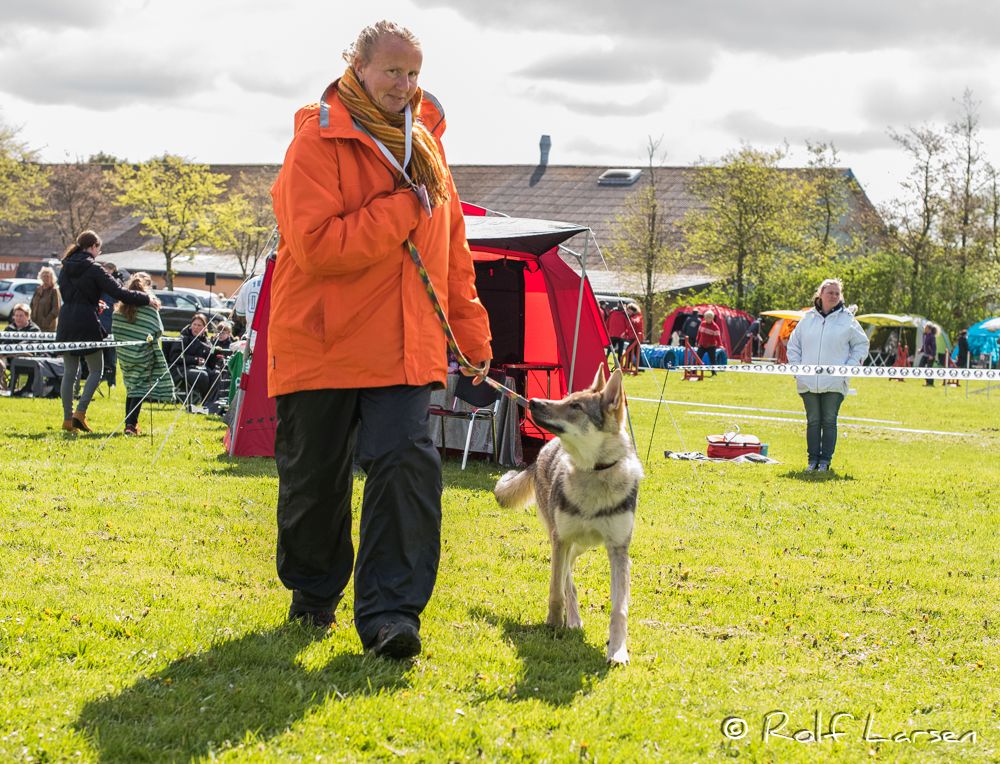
<point>348,308</point>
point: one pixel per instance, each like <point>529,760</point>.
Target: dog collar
<point>599,467</point>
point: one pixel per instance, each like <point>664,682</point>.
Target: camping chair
<point>485,403</point>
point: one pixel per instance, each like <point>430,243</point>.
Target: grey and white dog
<point>585,484</point>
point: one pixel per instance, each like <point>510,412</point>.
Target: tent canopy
<point>983,338</point>
<point>533,237</point>
<point>788,315</point>
<point>903,321</point>
<point>733,324</point>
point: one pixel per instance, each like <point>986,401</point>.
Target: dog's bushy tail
<point>516,489</point>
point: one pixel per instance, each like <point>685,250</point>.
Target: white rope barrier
<point>862,372</point>
<point>64,347</point>
<point>28,336</point>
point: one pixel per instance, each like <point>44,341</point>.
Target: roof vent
<point>618,177</point>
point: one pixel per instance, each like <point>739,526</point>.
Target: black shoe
<point>320,619</point>
<point>397,640</point>
<point>22,393</point>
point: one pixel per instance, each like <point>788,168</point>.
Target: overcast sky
<point>218,81</point>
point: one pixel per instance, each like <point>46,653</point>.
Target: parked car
<point>176,309</point>
<point>13,291</point>
<point>211,304</point>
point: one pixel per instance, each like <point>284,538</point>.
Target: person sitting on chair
<point>20,321</point>
<point>200,372</point>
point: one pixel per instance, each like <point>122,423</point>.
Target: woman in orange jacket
<point>365,173</point>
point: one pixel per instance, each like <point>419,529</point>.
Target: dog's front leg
<point>620,575</point>
<point>557,582</point>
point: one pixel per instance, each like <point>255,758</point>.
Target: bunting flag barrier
<point>64,347</point>
<point>28,336</point>
<point>863,372</point>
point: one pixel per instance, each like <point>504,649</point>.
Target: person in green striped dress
<point>144,368</point>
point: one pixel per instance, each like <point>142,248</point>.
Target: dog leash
<point>464,362</point>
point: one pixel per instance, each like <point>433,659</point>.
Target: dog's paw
<point>619,657</point>
<point>574,622</point>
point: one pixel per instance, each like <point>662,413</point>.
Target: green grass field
<point>141,618</point>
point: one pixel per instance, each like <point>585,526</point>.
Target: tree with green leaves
<point>22,182</point>
<point>178,202</point>
<point>640,243</point>
<point>755,220</point>
<point>247,219</point>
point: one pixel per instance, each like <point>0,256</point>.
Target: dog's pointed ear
<point>599,379</point>
<point>613,395</point>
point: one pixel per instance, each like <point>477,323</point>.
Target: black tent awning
<point>535,237</point>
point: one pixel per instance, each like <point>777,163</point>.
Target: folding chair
<point>485,404</point>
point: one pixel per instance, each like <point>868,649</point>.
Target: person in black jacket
<point>81,283</point>
<point>200,362</point>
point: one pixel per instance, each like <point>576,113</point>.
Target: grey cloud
<point>599,107</point>
<point>49,15</point>
<point>627,65</point>
<point>780,27</point>
<point>103,80</point>
<point>751,127</point>
<point>595,151</point>
<point>275,83</point>
<point>893,103</point>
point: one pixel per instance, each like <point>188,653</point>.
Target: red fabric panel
<point>473,209</point>
<point>257,418</point>
<point>564,293</point>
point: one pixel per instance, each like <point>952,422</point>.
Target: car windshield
<point>4,285</point>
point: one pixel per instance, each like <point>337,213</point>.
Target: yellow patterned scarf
<point>426,165</point>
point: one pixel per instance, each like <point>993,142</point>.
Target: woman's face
<point>46,278</point>
<point>20,319</point>
<point>198,326</point>
<point>390,77</point>
<point>830,297</point>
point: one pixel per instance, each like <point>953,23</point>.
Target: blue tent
<point>983,339</point>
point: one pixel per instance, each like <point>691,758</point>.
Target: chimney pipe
<point>544,144</point>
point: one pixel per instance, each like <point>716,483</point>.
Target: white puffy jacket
<point>834,339</point>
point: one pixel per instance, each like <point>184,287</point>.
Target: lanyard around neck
<point>407,142</point>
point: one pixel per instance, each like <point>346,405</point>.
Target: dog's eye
<point>576,406</point>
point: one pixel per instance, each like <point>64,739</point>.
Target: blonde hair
<point>360,51</point>
<point>22,306</point>
<point>47,271</point>
<point>825,284</point>
<point>709,315</point>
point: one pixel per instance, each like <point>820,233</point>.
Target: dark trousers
<point>821,424</point>
<point>132,408</point>
<point>925,363</point>
<point>711,352</point>
<point>317,435</point>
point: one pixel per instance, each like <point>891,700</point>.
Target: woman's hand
<point>479,372</point>
<point>154,301</point>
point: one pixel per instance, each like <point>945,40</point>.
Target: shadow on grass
<point>558,663</point>
<point>482,476</point>
<point>246,466</point>
<point>815,477</point>
<point>247,689</point>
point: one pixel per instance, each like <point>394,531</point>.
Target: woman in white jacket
<point>827,334</point>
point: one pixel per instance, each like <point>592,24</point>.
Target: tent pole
<point>579,311</point>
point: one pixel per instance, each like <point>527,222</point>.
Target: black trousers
<point>317,435</point>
